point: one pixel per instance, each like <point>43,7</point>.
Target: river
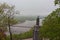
<point>22,27</point>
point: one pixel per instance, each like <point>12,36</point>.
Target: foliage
<point>51,26</point>
<point>57,2</point>
<point>24,18</point>
<point>21,36</point>
<point>7,13</point>
<point>2,35</point>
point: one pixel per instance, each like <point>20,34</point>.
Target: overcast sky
<point>32,7</point>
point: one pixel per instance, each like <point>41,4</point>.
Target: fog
<point>32,7</point>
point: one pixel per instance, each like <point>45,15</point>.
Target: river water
<point>22,27</point>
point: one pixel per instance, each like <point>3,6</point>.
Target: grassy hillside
<point>21,36</point>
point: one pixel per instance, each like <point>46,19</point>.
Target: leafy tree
<point>51,26</point>
<point>7,16</point>
<point>7,13</point>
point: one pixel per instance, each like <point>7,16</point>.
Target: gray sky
<point>32,7</point>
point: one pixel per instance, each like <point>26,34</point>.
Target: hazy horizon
<point>32,7</point>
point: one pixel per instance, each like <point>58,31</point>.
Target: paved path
<point>28,39</point>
